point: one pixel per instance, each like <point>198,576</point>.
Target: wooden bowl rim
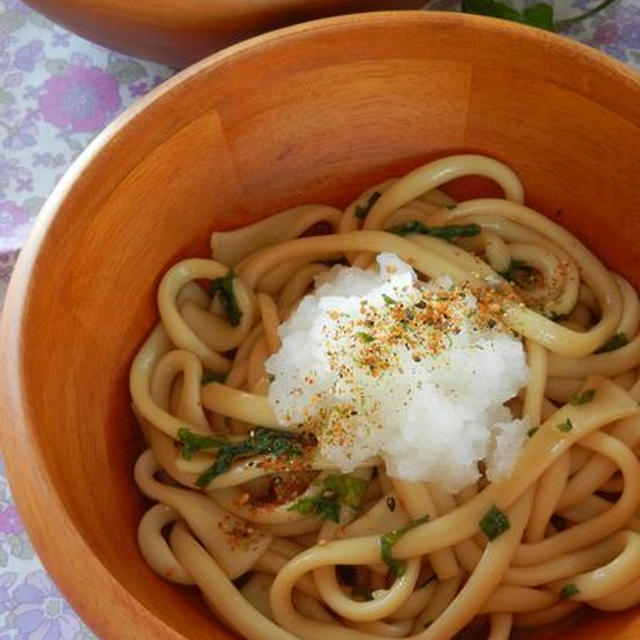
<point>17,424</point>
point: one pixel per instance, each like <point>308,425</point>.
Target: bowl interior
<point>314,114</point>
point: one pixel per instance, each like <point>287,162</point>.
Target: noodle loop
<point>318,550</point>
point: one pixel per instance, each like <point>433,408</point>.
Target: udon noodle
<point>246,509</point>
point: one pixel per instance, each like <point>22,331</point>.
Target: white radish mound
<point>430,418</point>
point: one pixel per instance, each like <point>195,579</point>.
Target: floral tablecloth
<point>56,92</point>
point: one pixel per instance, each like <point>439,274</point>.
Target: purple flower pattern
<point>7,580</point>
<point>56,92</point>
<point>39,612</point>
<point>28,54</point>
<point>80,99</point>
<point>616,31</point>
<point>10,521</point>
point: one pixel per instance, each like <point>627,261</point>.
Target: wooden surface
<point>312,114</point>
<point>179,32</point>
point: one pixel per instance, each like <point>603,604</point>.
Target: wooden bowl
<point>311,113</point>
<point>180,32</point>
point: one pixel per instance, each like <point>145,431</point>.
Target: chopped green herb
<point>362,594</point>
<point>362,210</point>
<point>565,426</point>
<point>494,523</point>
<point>307,505</point>
<point>388,300</point>
<point>447,233</point>
<point>365,337</point>
<point>304,506</point>
<point>328,506</point>
<point>532,432</point>
<point>220,466</point>
<point>349,489</point>
<point>261,441</point>
<point>337,490</point>
<point>451,206</point>
<point>616,341</point>
<point>582,398</point>
<point>209,376</point>
<point>398,567</point>
<point>271,377</point>
<point>539,15</point>
<point>224,286</point>
<point>194,442</point>
<point>568,591</point>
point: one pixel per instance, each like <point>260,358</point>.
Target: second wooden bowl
<point>179,32</point>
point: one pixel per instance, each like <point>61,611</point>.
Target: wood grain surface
<point>311,114</point>
<point>180,32</point>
